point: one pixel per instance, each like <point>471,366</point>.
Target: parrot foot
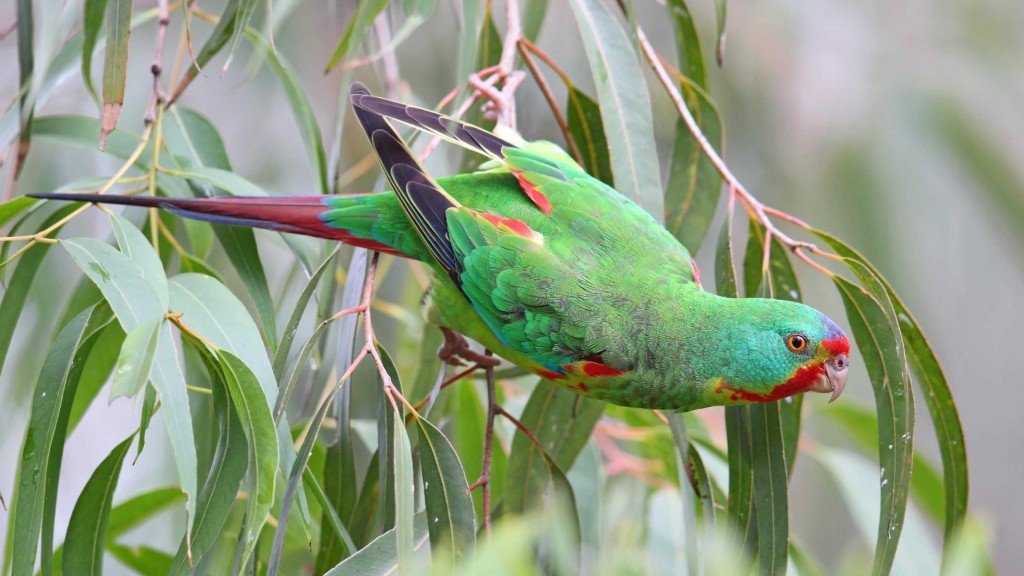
<point>500,106</point>
<point>456,351</point>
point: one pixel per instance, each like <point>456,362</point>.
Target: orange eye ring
<point>796,342</point>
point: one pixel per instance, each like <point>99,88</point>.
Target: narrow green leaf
<point>365,14</point>
<point>169,382</point>
<point>449,507</point>
<point>92,20</point>
<point>87,529</point>
<point>625,105</point>
<point>294,483</point>
<point>284,348</point>
<point>363,515</point>
<point>34,507</point>
<point>694,185</point>
<point>584,121</point>
<point>688,490</point>
<point>61,69</point>
<point>737,418</point>
<point>938,397</point>
<point>149,407</point>
<point>99,366</point>
<point>26,71</point>
<point>115,68</point>
<point>214,44</point>
<point>12,208</point>
<point>221,485</point>
<point>878,339</point>
<point>405,495</point>
<point>691,57</point>
<point>20,286</point>
<point>260,432</point>
<point>771,492</point>
<point>387,511</point>
<point>136,359</point>
<point>380,557</point>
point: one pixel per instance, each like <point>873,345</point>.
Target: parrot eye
<point>796,342</point>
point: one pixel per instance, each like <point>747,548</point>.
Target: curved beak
<point>833,379</point>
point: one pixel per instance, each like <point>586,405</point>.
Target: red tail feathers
<point>293,214</point>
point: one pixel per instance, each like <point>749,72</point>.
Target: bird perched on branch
<point>554,271</point>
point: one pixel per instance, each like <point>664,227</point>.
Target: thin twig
<point>484,480</point>
<point>156,68</point>
<point>757,210</point>
<point>538,77</point>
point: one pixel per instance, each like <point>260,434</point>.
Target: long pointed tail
<point>293,214</point>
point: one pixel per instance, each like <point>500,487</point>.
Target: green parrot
<point>554,271</point>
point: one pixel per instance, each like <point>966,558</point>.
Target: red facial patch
<point>531,191</point>
<point>801,381</point>
<point>837,345</point>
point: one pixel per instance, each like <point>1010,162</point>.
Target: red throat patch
<point>800,381</point>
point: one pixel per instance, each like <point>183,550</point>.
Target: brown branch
<point>157,99</point>
<point>538,77</point>
<point>484,480</point>
<point>757,210</point>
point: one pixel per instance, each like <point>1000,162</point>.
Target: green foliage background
<point>275,124</point>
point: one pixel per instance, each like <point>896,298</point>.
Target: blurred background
<point>896,126</point>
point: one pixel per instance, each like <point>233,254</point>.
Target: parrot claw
<point>456,351</point>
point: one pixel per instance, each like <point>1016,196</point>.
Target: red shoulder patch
<point>517,227</point>
<point>534,194</point>
<point>592,369</point>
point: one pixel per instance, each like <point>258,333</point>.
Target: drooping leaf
<point>93,12</point>
<point>691,57</point>
<point>625,105</point>
<point>693,188</point>
<point>938,396</point>
<point>35,506</point>
<point>448,505</point>
<point>18,289</point>
<point>169,382</point>
<point>771,490</point>
<point>877,333</point>
<point>365,14</point>
<point>136,359</point>
<point>87,530</point>
<point>584,121</point>
<point>405,494</point>
<point>260,433</point>
<point>115,67</point>
<point>221,485</point>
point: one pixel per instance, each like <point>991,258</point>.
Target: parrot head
<point>775,349</point>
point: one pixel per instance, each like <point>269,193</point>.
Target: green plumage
<point>557,272</point>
